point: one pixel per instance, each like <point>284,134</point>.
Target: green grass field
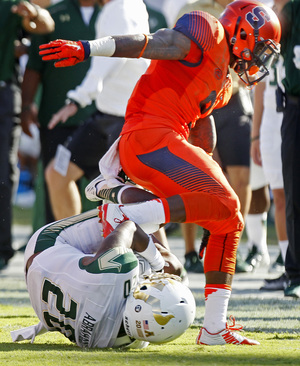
<point>274,322</point>
<point>54,349</point>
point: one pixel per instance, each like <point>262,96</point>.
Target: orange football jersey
<point>177,93</point>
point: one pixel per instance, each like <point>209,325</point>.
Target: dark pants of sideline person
<point>10,132</point>
<point>290,151</point>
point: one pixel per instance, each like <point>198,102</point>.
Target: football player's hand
<point>68,53</point>
<point>62,115</point>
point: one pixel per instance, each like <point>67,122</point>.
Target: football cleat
<point>292,290</point>
<point>256,259</point>
<point>278,265</point>
<point>193,263</point>
<point>275,284</point>
<point>225,336</point>
<point>111,216</point>
<point>99,188</point>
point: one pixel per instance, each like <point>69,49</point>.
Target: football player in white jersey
<point>104,292</point>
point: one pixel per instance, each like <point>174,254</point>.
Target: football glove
<point>68,53</point>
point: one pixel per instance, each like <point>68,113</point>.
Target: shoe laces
<point>124,218</point>
<point>233,326</point>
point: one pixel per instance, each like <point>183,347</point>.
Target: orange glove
<point>68,53</point>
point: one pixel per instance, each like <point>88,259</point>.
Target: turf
<point>275,324</point>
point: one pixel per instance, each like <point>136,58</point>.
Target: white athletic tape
<point>153,256</point>
<point>103,47</point>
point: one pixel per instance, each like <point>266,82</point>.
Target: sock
<point>153,256</point>
<point>216,304</point>
<point>256,228</point>
<point>113,194</point>
<point>149,215</point>
<point>283,245</point>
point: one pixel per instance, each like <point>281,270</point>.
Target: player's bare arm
<point>130,235</point>
<point>165,44</point>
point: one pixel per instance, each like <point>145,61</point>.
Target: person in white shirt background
<point>108,83</point>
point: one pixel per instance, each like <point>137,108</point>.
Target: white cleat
<point>98,188</point>
<point>111,216</point>
<point>225,336</point>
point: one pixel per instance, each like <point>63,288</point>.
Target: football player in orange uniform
<point>186,80</point>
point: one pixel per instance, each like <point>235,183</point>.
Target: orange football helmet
<point>254,32</point>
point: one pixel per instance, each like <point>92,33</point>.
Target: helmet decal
<point>166,308</point>
<point>154,303</point>
<point>257,17</point>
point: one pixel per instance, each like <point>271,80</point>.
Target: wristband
<point>255,138</point>
<point>145,45</point>
<point>103,47</point>
<point>72,101</point>
<point>86,48</point>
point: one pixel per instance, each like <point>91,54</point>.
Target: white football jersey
<point>85,303</point>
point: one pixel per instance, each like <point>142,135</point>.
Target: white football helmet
<point>159,310</point>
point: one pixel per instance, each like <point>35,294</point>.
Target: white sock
<point>216,304</point>
<point>153,256</point>
<point>145,212</point>
<point>256,229</point>
<point>283,245</point>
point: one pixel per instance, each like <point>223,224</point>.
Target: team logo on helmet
<point>257,17</point>
<point>167,309</point>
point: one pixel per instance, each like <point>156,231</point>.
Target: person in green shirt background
<point>289,15</point>
<point>16,16</point>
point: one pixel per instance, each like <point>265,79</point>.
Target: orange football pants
<point>163,162</point>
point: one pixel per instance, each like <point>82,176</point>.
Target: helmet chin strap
<point>234,59</point>
<point>240,63</point>
<point>256,31</point>
<point>237,24</point>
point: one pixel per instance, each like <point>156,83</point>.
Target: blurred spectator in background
<point>266,151</point>
<point>289,14</point>
<point>73,19</point>
<point>28,153</point>
<point>110,84</point>
<point>15,17</point>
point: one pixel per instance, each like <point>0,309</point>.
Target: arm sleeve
<point>28,333</point>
